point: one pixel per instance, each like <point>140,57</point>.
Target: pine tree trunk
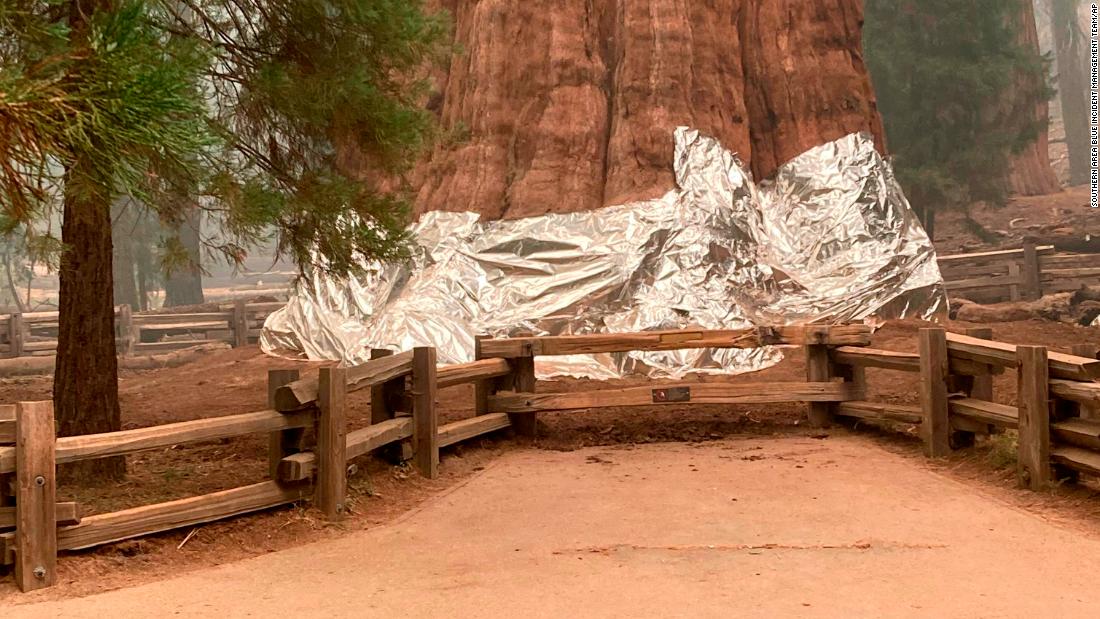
<point>85,380</point>
<point>570,106</point>
<point>1069,45</point>
<point>85,387</point>
<point>1030,173</point>
<point>184,285</point>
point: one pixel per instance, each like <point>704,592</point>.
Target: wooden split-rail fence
<point>311,444</point>
<point>34,334</point>
<point>1025,273</point>
<point>1022,274</point>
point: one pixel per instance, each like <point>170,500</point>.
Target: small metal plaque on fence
<point>672,394</point>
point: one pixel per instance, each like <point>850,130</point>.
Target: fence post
<point>1032,282</point>
<point>1014,274</point>
<point>240,324</point>
<point>387,400</point>
<point>935,427</point>
<point>332,461</point>
<point>482,388</point>
<point>281,443</point>
<point>524,380</point>
<point>818,370</point>
<point>125,329</point>
<point>425,419</point>
<point>15,334</point>
<point>381,396</point>
<point>36,501</point>
<point>1033,449</point>
<point>1092,351</point>
<point>977,387</point>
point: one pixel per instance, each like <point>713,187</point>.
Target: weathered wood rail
<point>38,527</point>
<point>1059,436</point>
<point>1058,398</point>
<point>1018,274</point>
<point>990,276</point>
<point>240,323</point>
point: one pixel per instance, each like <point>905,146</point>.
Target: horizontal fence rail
<point>238,324</point>
<point>311,443</point>
<point>1018,274</point>
<point>753,337</point>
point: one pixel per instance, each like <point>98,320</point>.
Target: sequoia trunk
<point>1030,173</point>
<point>570,106</point>
<point>1070,44</point>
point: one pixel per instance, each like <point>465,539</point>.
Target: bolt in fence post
<point>15,335</point>
<point>332,461</point>
<point>240,324</point>
<point>935,427</point>
<point>1033,392</point>
<point>1032,281</point>
<point>425,419</point>
<point>36,501</point>
<point>281,443</point>
<point>818,370</point>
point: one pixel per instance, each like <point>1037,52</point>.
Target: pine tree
<point>270,115</point>
<point>943,70</point>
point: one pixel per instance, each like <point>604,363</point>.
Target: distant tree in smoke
<point>958,86</point>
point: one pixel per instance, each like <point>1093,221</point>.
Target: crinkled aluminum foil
<point>832,239</point>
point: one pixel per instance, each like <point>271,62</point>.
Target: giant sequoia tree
<point>567,106</point>
<point>266,113</point>
<point>1070,44</point>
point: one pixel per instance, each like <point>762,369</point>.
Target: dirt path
<point>749,527</point>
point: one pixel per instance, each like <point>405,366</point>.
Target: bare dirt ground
<point>234,381</point>
<point>841,526</point>
<point>1008,225</point>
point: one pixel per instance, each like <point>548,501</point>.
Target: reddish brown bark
<point>1030,173</point>
<point>806,82</point>
<point>569,106</point>
<point>1072,83</point>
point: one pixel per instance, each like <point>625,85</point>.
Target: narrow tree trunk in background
<point>85,387</point>
<point>1030,173</point>
<point>1069,45</point>
<point>147,274</point>
<point>184,285</point>
<point>85,379</point>
<point>122,233</point>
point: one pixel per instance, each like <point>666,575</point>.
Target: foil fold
<point>831,239</point>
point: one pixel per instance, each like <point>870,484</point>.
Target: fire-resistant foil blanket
<point>831,239</point>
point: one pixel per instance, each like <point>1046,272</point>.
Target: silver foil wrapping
<point>832,239</point>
